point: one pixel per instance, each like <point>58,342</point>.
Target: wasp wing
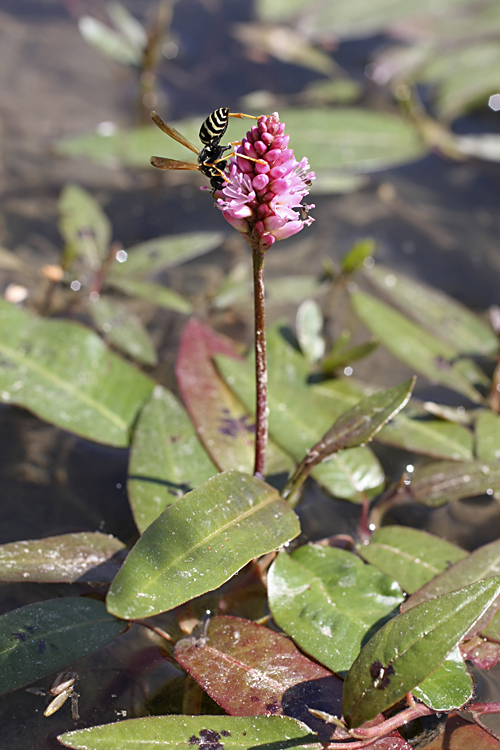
<point>161,163</point>
<point>173,133</point>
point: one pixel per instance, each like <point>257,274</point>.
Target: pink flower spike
<point>261,198</point>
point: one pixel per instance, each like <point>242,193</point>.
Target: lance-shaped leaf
<point>410,647</point>
<point>251,670</point>
<point>443,481</point>
<point>355,427</point>
<point>440,314</point>
<point>420,433</point>
<point>184,732</point>
<point>449,687</point>
<point>484,562</point>
<point>411,556</point>
<point>155,294</point>
<point>64,373</point>
<point>37,639</point>
<point>199,542</point>
<point>487,434</point>
<point>223,423</point>
<point>329,601</point>
<point>167,459</point>
<point>123,329</point>
<point>161,253</point>
<point>85,556</point>
<point>422,352</point>
<point>84,226</point>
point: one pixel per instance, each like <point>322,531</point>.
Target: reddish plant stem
<point>261,410</point>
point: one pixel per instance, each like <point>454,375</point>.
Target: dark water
<point>442,227</point>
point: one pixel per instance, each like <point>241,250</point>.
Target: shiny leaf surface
<point>330,602</point>
<point>37,639</point>
<point>449,687</point>
<point>443,481</point>
<point>411,556</point>
<point>410,647</point>
<point>182,732</point>
<point>199,542</point>
<point>123,329</point>
<point>84,556</point>
<point>167,459</point>
<point>64,374</point>
<point>418,349</point>
<point>250,670</point>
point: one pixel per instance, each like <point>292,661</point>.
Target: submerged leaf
<point>199,542</point>
<point>64,373</point>
<point>410,647</point>
<point>37,639</point>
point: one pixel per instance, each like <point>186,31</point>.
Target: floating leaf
<point>37,639</point>
<point>309,324</point>
<point>441,315</point>
<point>449,687</point>
<point>411,556</point>
<point>432,437</point>
<point>123,329</point>
<point>161,253</point>
<point>84,556</point>
<point>167,459</point>
<point>481,652</point>
<point>487,434</point>
<point>410,647</point>
<point>443,481</point>
<point>330,602</point>
<point>64,373</point>
<point>355,427</point>
<point>222,422</point>
<point>153,293</point>
<point>415,347</point>
<point>463,735</point>
<point>182,732</point>
<point>250,670</point>
<point>199,542</point>
<point>84,226</point>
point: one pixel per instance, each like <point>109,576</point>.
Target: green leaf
<point>443,481</point>
<point>487,434</point>
<point>250,670</point>
<point>199,542</point>
<point>161,253</point>
<point>178,733</point>
<point>441,315</point>
<point>353,428</point>
<point>127,24</point>
<point>309,323</point>
<point>449,687</point>
<point>330,602</point>
<point>419,433</point>
<point>409,343</point>
<point>64,373</point>
<point>411,556</point>
<point>123,329</point>
<point>84,556</point>
<point>167,459</point>
<point>85,228</point>
<point>355,258</point>
<point>153,293</point>
<point>109,42</point>
<point>37,639</point>
<point>410,647</point>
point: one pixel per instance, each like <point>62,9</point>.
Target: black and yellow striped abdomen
<point>214,126</point>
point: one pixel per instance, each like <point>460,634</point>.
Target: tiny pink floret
<point>259,197</point>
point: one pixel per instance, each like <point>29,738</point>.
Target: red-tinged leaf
<point>91,557</point>
<point>481,652</point>
<point>222,422</point>
<point>478,710</point>
<point>250,670</point>
<point>462,735</point>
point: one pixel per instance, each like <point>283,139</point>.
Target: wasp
<point>211,160</point>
